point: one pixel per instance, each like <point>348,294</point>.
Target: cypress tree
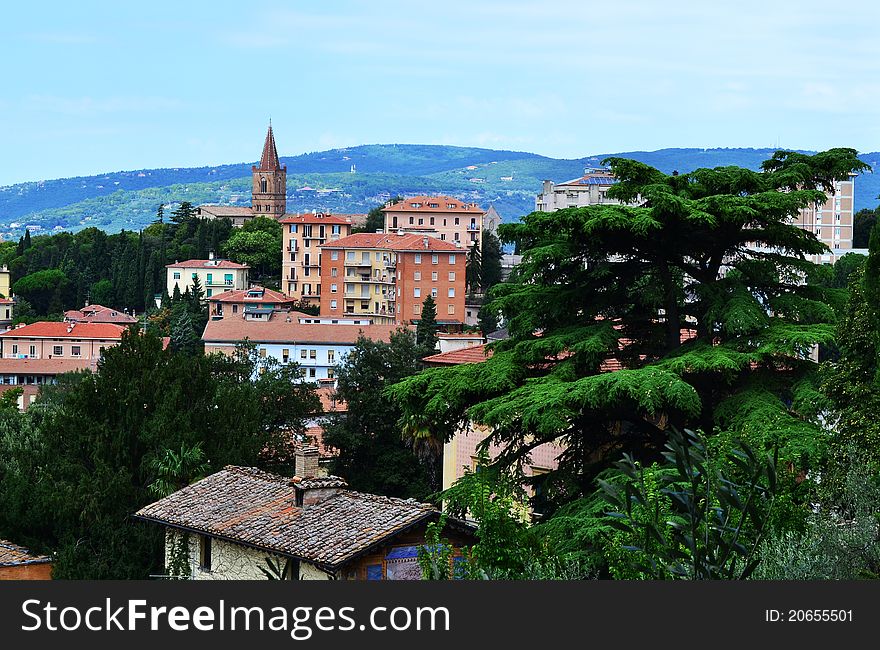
<point>426,330</point>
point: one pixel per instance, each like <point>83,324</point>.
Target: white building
<point>215,276</point>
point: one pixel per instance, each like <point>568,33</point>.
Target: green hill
<point>340,180</point>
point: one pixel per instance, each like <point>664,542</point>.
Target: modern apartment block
<point>302,235</point>
<point>444,217</point>
<point>832,221</point>
<point>388,276</point>
<point>215,276</point>
<point>589,189</point>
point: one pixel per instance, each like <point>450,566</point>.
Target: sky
<point>89,87</point>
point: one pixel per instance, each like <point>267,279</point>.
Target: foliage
<point>435,556</point>
<point>696,286</point>
<point>375,219</point>
<point>371,455</point>
<point>490,260</point>
<point>714,522</point>
<point>474,271</point>
<point>257,244</point>
<point>426,330</point>
<point>95,448</point>
<point>276,570</point>
<point>863,223</point>
<point>46,290</point>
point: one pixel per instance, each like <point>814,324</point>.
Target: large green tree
<point>697,285</point>
<point>372,456</point>
<point>257,244</point>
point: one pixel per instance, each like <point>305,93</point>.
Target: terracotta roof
<point>392,241</point>
<point>329,402</point>
<point>308,217</point>
<point>227,210</point>
<point>53,330</point>
<point>207,264</point>
<point>7,301</point>
<point>14,555</point>
<point>98,314</point>
<point>315,436</point>
<point>269,159</point>
<point>406,205</point>
<point>252,507</point>
<point>241,295</point>
<point>473,354</point>
<point>279,330</point>
<point>44,366</point>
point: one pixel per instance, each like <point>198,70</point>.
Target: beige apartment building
<point>832,221</point>
<point>214,275</point>
<point>444,217</point>
<point>589,189</point>
<point>302,236</point>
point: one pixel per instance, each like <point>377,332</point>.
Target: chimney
<point>425,241</point>
<point>310,489</point>
<point>306,461</point>
<point>210,255</point>
<point>548,187</point>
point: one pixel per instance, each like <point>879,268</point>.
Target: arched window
<point>262,184</point>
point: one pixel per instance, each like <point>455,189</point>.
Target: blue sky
<point>88,87</point>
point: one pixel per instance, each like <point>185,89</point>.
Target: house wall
<point>364,283</point>
<point>415,271</point>
<point>216,285</point>
<point>465,226</point>
<point>322,365</point>
<point>297,241</point>
<point>42,571</point>
<point>44,348</point>
<point>232,561</point>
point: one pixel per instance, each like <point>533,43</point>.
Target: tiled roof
<point>44,366</point>
<point>255,508</point>
<point>53,330</point>
<point>329,402</point>
<point>241,295</point>
<point>98,314</point>
<point>308,217</point>
<point>207,264</point>
<point>473,354</point>
<point>392,241</point>
<point>279,330</point>
<point>14,555</point>
<point>227,210</point>
<point>406,205</point>
<point>315,436</point>
<point>269,159</point>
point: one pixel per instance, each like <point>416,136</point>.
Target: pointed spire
<point>269,160</point>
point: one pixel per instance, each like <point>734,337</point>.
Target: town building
<point>256,303</point>
<point>18,563</point>
<point>317,348</point>
<point>444,217</point>
<point>314,528</point>
<point>268,190</point>
<point>832,222</point>
<point>52,340</point>
<point>99,314</point>
<point>589,189</point>
<point>215,276</point>
<point>302,235</point>
<point>5,282</point>
<point>7,312</point>
<point>387,277</point>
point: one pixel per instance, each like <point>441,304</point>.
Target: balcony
<point>223,283</point>
<point>293,246</point>
<point>390,264</point>
<point>309,264</point>
<point>358,264</point>
<point>473,227</point>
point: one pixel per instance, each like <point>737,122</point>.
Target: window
<point>452,292</point>
<point>435,258</point>
<point>205,553</point>
<point>334,272</point>
<point>433,276</point>
<point>56,350</point>
<point>75,351</point>
<point>227,279</point>
<point>302,354</point>
<point>456,221</point>
<point>293,227</point>
<point>418,259</point>
<point>452,259</point>
<point>452,276</point>
<point>209,293</point>
<point>434,292</point>
<point>417,309</point>
<point>378,256</point>
<point>349,256</point>
<point>311,372</point>
<point>262,184</point>
<point>335,230</point>
<point>411,221</point>
<point>334,255</point>
<point>235,308</point>
<point>333,288</point>
<point>450,309</point>
<point>421,221</point>
<point>331,374</point>
<point>333,304</point>
<point>431,221</point>
<point>195,275</point>
<point>417,275</point>
<point>210,278</point>
<point>14,348</point>
<point>313,354</point>
<point>331,355</point>
<point>177,275</point>
<point>285,354</point>
<point>417,292</point>
<point>262,353</point>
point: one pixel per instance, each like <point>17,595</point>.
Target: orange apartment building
<point>832,221</point>
<point>388,276</point>
<point>443,217</point>
<point>302,236</point>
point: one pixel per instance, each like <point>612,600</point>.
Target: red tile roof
<point>53,330</point>
<point>241,296</point>
<point>227,210</point>
<point>392,241</point>
<point>207,264</point>
<point>257,509</point>
<point>309,217</point>
<point>98,314</point>
<point>278,330</point>
<point>329,402</point>
<point>14,555</point>
<point>442,201</point>
<point>473,354</point>
<point>44,366</point>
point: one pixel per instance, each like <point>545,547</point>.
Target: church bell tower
<point>269,195</point>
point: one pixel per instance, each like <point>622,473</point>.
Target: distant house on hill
<point>99,314</point>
